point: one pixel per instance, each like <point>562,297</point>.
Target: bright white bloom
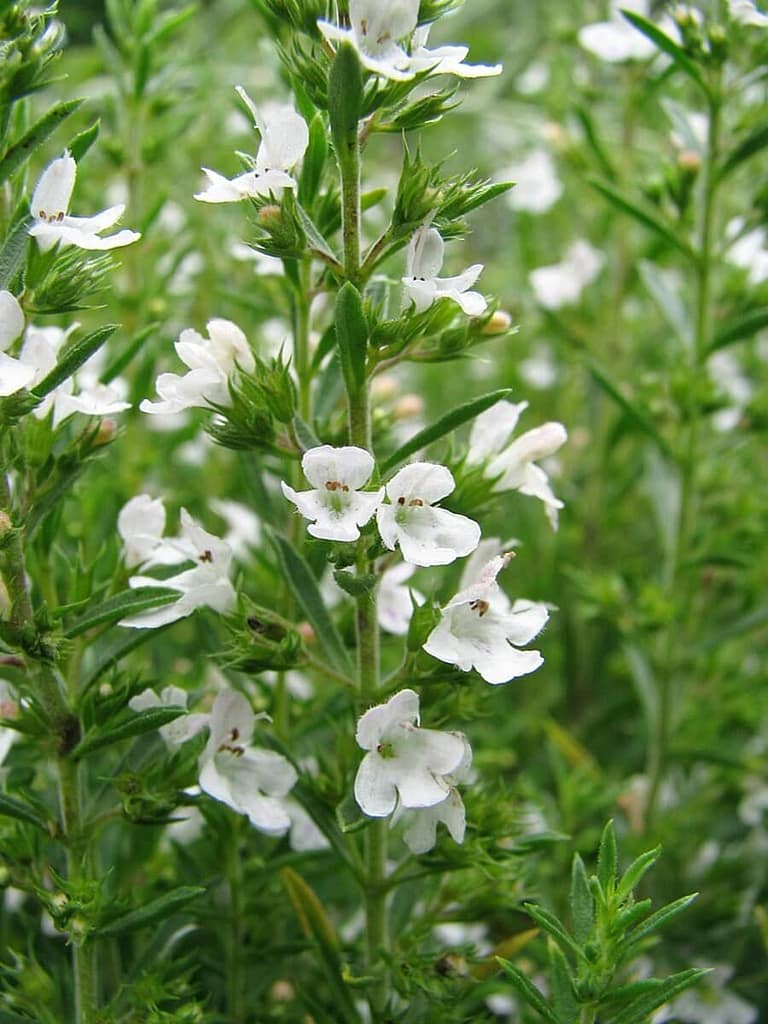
<point>305,836</point>
<point>479,629</point>
<point>249,780</point>
<point>211,362</point>
<point>394,606</point>
<point>375,30</point>
<point>426,535</point>
<point>181,729</point>
<point>8,709</point>
<point>207,585</point>
<point>52,223</point>
<point>423,286</point>
<point>14,374</point>
<point>403,761</point>
<point>561,284</point>
<point>420,833</point>
<point>537,186</point>
<point>284,139</point>
<point>337,506</point>
<point>141,524</point>
<point>709,1002</point>
<point>244,531</point>
<point>535,77</point>
<point>93,399</point>
<point>513,463</point>
<point>746,13</point>
<point>617,40</point>
<point>727,374</point>
<point>446,60</point>
<point>749,251</point>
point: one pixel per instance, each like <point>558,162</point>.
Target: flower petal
<point>422,481</point>
<point>53,191</point>
<point>372,726</point>
<point>375,793</point>
<point>347,465</point>
<point>11,321</point>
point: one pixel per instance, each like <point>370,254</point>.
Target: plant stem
<point>659,749</point>
<point>301,342</point>
<point>235,881</point>
<point>587,1015</point>
<point>366,619</point>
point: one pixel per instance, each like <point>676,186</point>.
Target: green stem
<point>235,881</point>
<point>301,342</point>
<point>588,1015</point>
<point>366,619</point>
<point>659,748</point>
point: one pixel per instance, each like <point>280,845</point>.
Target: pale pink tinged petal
<point>283,143</point>
<point>375,793</point>
<point>402,707</point>
<point>348,465</point>
<point>525,621</point>
<point>514,663</point>
<point>425,481</point>
<point>425,255</point>
<point>53,191</point>
<point>421,293</point>
<point>14,375</point>
<point>11,321</point>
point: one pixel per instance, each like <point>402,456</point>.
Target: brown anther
<point>59,216</point>
<point>479,606</point>
<point>379,747</point>
<point>206,556</point>
<point>234,734</point>
<point>401,500</point>
<point>41,215</point>
<point>364,26</point>
<point>416,502</point>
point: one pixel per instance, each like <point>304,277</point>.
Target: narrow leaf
<point>528,991</point>
<point>642,216</point>
<point>634,412</point>
<point>661,918</point>
<point>129,602</point>
<point>83,141</point>
<point>109,656</point>
<point>307,593</point>
<point>754,143</point>
<point>152,912</point>
<point>636,870</point>
<point>136,725</point>
<point>73,359</point>
<point>345,99</point>
<point>451,421</point>
<point>11,808</point>
<point>669,301</point>
<point>553,927</point>
<point>12,253</point>
<point>667,45</point>
<point>640,1009</point>
<point>607,858</point>
<point>582,904</point>
<point>561,984</point>
<point>21,151</point>
<point>739,328</point>
<point>304,433</point>
<point>351,337</point>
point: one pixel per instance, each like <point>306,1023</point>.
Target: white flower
<point>748,251</point>
<point>249,780</point>
<point>181,729</point>
<point>403,761</point>
<point>426,535</point>
<point>423,286</point>
<point>337,506</point>
<point>305,836</point>
<point>728,376</point>
<point>561,284</point>
<point>52,223</point>
<point>14,374</point>
<point>512,463</point>
<point>211,362</point>
<point>480,630</point>
<point>207,585</point>
<point>284,139</point>
<point>420,833</point>
<point>376,26</point>
<point>446,60</point>
<point>746,13</point>
<point>537,186</point>
<point>618,40</point>
<point>94,399</point>
<point>394,607</point>
<point>141,523</point>
<point>8,709</point>
<point>244,531</point>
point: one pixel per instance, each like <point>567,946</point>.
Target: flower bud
<point>498,323</point>
<point>306,632</point>
<point>6,523</point>
<point>385,387</point>
<point>408,407</point>
<point>689,162</point>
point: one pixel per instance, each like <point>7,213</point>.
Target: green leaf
<point>669,301</point>
<point>304,433</point>
<point>128,602</point>
<point>110,656</point>
<point>636,870</point>
<point>660,918</point>
<point>451,421</point>
<point>553,927</point>
<point>345,101</point>
<point>607,858</point>
<point>668,46</point>
<point>72,359</point>
<point>21,151</point>
<point>152,912</point>
<point>634,412</point>
<point>11,808</point>
<point>136,725</point>
<point>317,926</point>
<point>599,151</point>
<point>528,991</point>
<point>750,146</point>
<point>307,593</point>
<point>127,353</point>
<point>739,328</point>
<point>561,985</point>
<point>83,141</point>
<point>315,239</point>
<point>640,1009</point>
<point>351,337</point>
<point>582,904</point>
<point>314,161</point>
<point>12,253</point>
<point>643,216</point>
<point>354,584</point>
